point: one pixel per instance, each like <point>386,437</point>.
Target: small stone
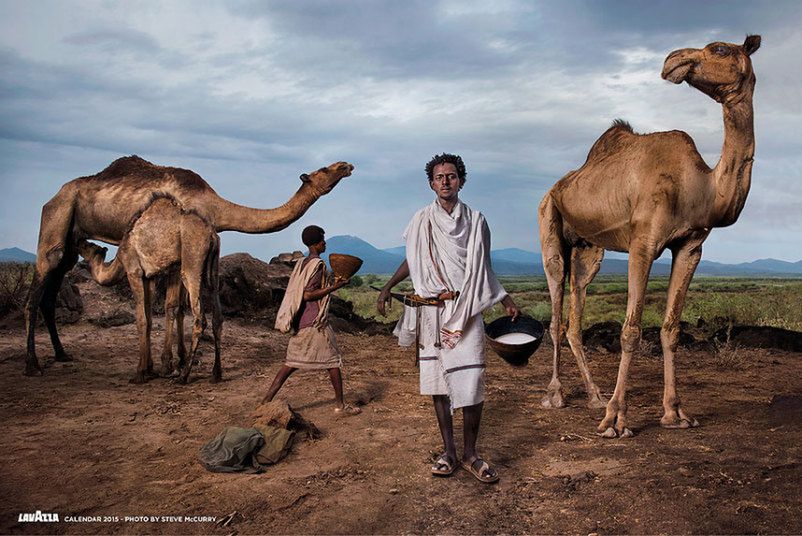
<point>394,491</point>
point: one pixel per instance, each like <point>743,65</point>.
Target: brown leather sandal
<point>481,470</point>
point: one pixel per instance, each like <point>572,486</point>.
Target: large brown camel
<point>165,240</point>
<point>644,194</point>
<point>102,207</point>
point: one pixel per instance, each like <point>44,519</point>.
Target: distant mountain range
<point>511,261</point>
<point>515,261</point>
<point>16,255</point>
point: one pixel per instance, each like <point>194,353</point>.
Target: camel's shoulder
<point>670,136</point>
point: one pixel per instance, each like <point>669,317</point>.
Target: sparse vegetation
<point>758,302</point>
<point>15,278</point>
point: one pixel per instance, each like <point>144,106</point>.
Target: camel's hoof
<point>33,370</point>
<point>681,424</point>
<point>180,380</point>
<point>597,402</point>
<point>63,357</point>
<point>610,433</point>
<point>139,378</point>
<point>553,400</point>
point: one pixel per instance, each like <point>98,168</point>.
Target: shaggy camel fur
<point>102,207</point>
<point>166,240</point>
<point>644,194</point>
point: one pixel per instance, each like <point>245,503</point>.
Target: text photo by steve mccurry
<point>56,517</point>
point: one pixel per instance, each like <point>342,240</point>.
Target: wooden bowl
<point>516,354</point>
<point>344,266</point>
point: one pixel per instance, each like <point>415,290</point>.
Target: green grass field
<point>759,302</point>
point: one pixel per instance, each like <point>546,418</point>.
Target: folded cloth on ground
<point>233,450</point>
<point>278,442</point>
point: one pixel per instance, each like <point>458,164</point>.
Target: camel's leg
<point>192,284</point>
<point>54,258</point>
<point>49,297</point>
<point>150,289</point>
<point>142,299</point>
<point>614,422</point>
<point>179,327</point>
<point>217,313</point>
<point>170,306</point>
<point>585,264</point>
<point>685,260</point>
<point>553,250</point>
<point>35,292</point>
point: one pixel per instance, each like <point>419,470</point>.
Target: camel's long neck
<point>733,173</point>
<point>230,216</point>
<point>106,274</point>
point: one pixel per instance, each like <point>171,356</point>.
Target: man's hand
<point>510,307</point>
<point>384,297</point>
<point>339,283</point>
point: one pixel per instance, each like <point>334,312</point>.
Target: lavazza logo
<point>38,517</point>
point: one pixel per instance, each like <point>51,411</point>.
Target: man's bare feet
<point>347,410</point>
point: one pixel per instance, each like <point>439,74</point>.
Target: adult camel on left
<point>103,206</point>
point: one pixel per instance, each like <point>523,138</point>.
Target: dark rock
<point>69,305</point>
<point>118,317</point>
<point>606,335</point>
<point>288,259</point>
<point>252,288</point>
<point>650,339</point>
<point>759,337</point>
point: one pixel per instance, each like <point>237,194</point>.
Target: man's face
<point>445,182</point>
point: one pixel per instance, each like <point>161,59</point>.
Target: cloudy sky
<point>249,94</point>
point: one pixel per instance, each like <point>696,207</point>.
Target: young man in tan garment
<point>304,311</point>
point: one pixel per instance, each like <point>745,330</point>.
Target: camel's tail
<point>213,263</point>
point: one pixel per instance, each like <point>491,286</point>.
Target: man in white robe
<point>448,257</point>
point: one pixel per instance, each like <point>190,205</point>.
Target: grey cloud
<point>115,40</point>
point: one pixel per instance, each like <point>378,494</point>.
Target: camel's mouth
<point>345,169</point>
<point>676,71</point>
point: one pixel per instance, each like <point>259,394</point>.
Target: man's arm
<point>400,274</point>
<point>314,295</point>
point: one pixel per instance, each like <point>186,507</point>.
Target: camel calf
<point>162,238</point>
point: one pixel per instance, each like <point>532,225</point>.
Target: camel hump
<point>139,173</point>
<point>622,124</point>
<point>127,165</point>
<point>610,141</point>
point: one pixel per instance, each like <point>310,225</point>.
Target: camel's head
<point>325,179</point>
<point>719,70</point>
<point>91,251</point>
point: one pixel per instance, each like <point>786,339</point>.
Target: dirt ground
<point>82,441</point>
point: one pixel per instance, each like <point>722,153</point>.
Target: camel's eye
<point>721,50</point>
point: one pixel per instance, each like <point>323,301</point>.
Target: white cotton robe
<point>450,252</point>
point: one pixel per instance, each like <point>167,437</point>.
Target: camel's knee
<point>574,336</point>
<point>555,267</point>
<point>630,337</point>
<point>669,336</point>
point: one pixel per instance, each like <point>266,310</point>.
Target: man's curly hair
<point>446,158</point>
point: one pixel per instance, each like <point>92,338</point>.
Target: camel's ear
<point>751,44</point>
<point>304,177</point>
